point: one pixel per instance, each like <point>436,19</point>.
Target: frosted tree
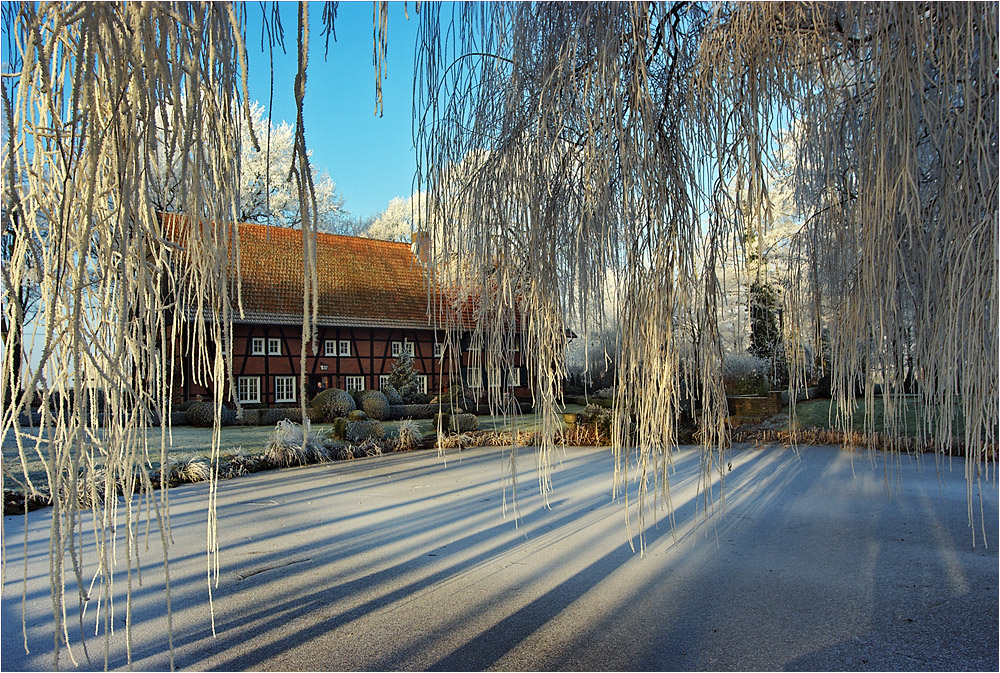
<point>268,194</point>
<point>395,223</point>
<point>404,377</point>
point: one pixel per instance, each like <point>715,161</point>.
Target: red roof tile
<point>360,281</point>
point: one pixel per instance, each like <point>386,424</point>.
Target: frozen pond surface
<point>404,562</point>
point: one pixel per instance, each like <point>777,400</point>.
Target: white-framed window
<point>274,346</point>
<point>515,344</point>
<point>354,383</point>
<point>475,344</point>
<point>474,378</point>
<point>329,348</point>
<point>438,350</point>
<point>284,388</point>
<point>257,346</point>
<point>396,348</point>
<point>345,348</point>
<point>383,381</point>
<point>423,383</point>
<point>248,389</point>
<point>514,378</point>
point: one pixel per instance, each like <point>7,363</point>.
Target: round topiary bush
<point>392,394</point>
<point>450,423</point>
<point>375,404</point>
<point>333,403</point>
<point>464,422</point>
<point>357,415</point>
<point>358,431</point>
<point>202,415</point>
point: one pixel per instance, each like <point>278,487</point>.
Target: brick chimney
<point>420,244</point>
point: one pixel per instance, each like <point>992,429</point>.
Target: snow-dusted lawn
<point>187,442</point>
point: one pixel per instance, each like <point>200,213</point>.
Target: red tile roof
<point>361,282</point>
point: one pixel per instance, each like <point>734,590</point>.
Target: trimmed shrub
<point>375,404</point>
<point>250,417</point>
<point>339,427</point>
<point>333,403</point>
<point>454,396</point>
<point>464,422</point>
<point>745,374</point>
<point>178,418</point>
<point>358,431</point>
<point>455,423</point>
<point>357,415</point>
<point>392,394</point>
<point>202,415</point>
<point>397,411</point>
<point>442,422</point>
<point>275,416</point>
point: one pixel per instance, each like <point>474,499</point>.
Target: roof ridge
<point>319,234</point>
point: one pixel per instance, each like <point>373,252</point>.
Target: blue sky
<point>371,159</point>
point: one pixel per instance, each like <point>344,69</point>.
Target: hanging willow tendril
<point>94,94</point>
<point>576,167</point>
<point>577,151</point>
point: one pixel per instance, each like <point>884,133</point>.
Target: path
<point>405,563</point>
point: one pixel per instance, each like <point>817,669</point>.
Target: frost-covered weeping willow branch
<point>897,124</point>
<point>568,126</point>
<point>93,94</point>
<point>596,137</point>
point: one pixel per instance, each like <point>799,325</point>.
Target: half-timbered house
<point>372,306</point>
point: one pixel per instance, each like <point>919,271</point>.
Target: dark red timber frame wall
<point>370,293</point>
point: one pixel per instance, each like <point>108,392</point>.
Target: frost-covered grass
<point>817,414</point>
<point>186,442</point>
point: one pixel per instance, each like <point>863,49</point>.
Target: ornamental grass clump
<point>190,471</point>
<point>368,448</point>
<point>408,435</point>
<point>295,444</point>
